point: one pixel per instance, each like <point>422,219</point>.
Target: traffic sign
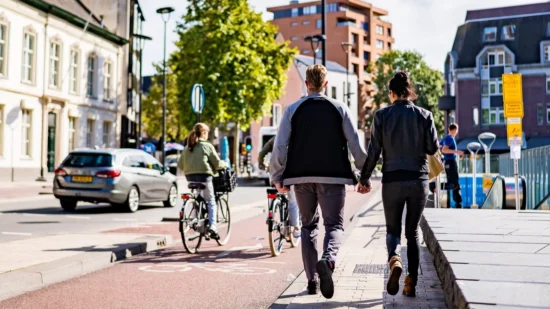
<point>512,95</point>
<point>197,98</point>
<point>487,182</point>
<point>515,131</point>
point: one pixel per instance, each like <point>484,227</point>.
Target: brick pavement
<point>365,249</point>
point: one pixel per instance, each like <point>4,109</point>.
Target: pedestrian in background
<point>311,154</point>
<point>405,135</point>
<point>450,157</point>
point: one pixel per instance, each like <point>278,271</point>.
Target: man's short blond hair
<point>316,76</point>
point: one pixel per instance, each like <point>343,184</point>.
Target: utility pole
<point>324,29</point>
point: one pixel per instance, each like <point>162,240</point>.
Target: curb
<point>453,294</point>
<point>32,278</point>
<point>301,280</point>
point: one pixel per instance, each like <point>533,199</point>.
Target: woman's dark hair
<point>197,132</point>
<point>402,86</point>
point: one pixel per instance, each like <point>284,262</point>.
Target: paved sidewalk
<point>361,272</point>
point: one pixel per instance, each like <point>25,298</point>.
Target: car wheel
<point>132,202</point>
<point>172,197</point>
<point>68,205</point>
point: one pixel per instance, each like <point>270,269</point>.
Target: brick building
<point>489,43</point>
<point>354,21</point>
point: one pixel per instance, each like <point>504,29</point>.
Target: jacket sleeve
<point>181,161</point>
<point>214,159</point>
<point>432,143</point>
<point>357,150</point>
<point>374,150</point>
<point>268,147</point>
<point>280,149</point>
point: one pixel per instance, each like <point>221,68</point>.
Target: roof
<point>77,14</point>
<point>530,31</point>
<point>526,9</point>
<point>331,65</point>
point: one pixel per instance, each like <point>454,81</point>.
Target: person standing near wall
<point>450,156</point>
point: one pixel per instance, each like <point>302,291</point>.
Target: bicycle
<point>278,222</point>
<point>194,225</point>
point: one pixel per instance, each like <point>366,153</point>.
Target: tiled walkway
<point>361,273</point>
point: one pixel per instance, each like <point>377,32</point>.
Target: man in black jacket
<point>311,153</point>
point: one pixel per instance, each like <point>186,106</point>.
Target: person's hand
<point>281,188</point>
<point>459,152</point>
<point>363,189</point>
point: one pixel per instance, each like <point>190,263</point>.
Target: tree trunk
<point>236,150</point>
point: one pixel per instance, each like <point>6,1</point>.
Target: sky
<point>426,26</point>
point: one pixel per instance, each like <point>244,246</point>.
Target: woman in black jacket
<point>405,135</point>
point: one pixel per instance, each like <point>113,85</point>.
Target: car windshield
<point>171,160</point>
<point>88,160</point>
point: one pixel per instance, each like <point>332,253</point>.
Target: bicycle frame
<point>196,195</point>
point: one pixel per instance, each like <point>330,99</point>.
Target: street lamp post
<point>346,46</point>
<point>315,41</point>
<point>141,43</point>
<point>324,29</point>
<point>165,13</point>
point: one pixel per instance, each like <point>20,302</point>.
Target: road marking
<point>125,220</point>
<point>243,248</point>
<point>78,217</point>
<point>16,234</point>
<point>237,269</point>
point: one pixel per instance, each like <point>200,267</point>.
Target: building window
<point>379,30</point>
<point>107,134</point>
<point>484,88</point>
<point>548,84</point>
<point>495,86</point>
<point>509,32</point>
<point>354,38</point>
<point>547,53</point>
<point>1,130</point>
<point>310,10</point>
<point>318,24</point>
<point>294,38</point>
<point>332,7</point>
<point>490,34</point>
<point>540,114</point>
<point>26,132</point>
<point>294,24</point>
<point>379,44</point>
<point>493,115</point>
<point>305,22</point>
<point>496,58</point>
<point>72,133</point>
<point>365,26</point>
<point>475,116</point>
<point>389,32</point>
<point>356,69</point>
<point>29,49</point>
<point>3,49</point>
<point>366,56</point>
<point>294,12</point>
<point>107,81</point>
<point>547,113</point>
<point>90,86</point>
<point>389,45</point>
<point>548,29</point>
<point>90,133</point>
<point>55,58</point>
<point>74,71</point>
<point>334,93</point>
<point>277,114</point>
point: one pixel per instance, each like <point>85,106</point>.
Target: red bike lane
<point>241,274</point>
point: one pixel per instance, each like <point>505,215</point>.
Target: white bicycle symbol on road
<point>237,269</point>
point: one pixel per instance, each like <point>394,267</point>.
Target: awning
<point>538,141</point>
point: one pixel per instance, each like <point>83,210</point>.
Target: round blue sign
<point>197,98</point>
<point>149,148</point>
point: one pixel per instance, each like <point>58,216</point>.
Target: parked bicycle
<point>194,225</point>
<point>278,223</point>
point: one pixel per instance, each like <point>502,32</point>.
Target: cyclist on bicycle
<point>293,211</point>
<point>199,163</point>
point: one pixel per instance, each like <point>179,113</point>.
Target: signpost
<point>197,100</point>
<point>487,140</point>
<point>513,111</point>
<point>474,148</point>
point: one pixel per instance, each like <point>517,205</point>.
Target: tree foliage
<point>152,109</point>
<point>429,82</point>
<point>233,53</point>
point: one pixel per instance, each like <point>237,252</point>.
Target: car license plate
<point>82,178</point>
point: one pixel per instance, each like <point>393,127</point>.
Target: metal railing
<point>535,166</point>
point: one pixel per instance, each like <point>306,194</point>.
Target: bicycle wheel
<point>276,238</point>
<point>223,221</point>
<point>190,226</point>
<point>294,241</point>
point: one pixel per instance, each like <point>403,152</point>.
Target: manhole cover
<point>377,269</point>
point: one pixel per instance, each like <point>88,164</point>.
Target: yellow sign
<point>487,182</point>
<point>515,131</point>
<point>512,88</point>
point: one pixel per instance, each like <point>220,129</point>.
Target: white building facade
<point>59,87</point>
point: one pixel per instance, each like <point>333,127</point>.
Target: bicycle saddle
<point>196,185</point>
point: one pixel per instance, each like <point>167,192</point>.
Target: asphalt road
<point>241,274</point>
<point>39,216</point>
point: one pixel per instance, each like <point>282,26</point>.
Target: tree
<point>232,52</point>
<point>152,109</point>
<point>429,82</point>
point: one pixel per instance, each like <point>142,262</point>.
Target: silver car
<point>121,177</point>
